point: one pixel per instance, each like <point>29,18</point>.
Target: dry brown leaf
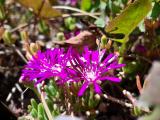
<point>85,38</point>
<point>44,11</point>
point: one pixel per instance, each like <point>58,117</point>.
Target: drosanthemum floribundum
<point>91,69</point>
<point>45,65</point>
<point>88,68</point>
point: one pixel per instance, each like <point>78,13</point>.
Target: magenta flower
<point>46,65</point>
<point>91,69</point>
<point>69,2</point>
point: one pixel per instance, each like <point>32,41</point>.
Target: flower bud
<point>24,35</point>
<point>2,30</point>
<point>7,38</point>
<point>2,12</point>
<point>97,97</point>
<point>103,41</point>
<point>34,47</point>
<point>60,36</point>
<point>88,113</point>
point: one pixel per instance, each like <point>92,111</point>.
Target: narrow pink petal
<point>95,56</point>
<point>83,88</point>
<point>114,79</point>
<point>116,66</point>
<point>97,88</point>
<point>108,57</point>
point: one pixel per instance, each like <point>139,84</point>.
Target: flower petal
<point>46,64</point>
<point>110,58</point>
<point>83,88</point>
<point>116,66</point>
<point>95,57</point>
<point>114,79</point>
<point>97,88</point>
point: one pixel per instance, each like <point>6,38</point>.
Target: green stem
<point>121,51</point>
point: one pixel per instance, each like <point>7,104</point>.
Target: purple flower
<point>90,69</point>
<point>46,65</point>
<point>69,2</point>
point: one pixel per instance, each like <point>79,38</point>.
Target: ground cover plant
<point>80,59</point>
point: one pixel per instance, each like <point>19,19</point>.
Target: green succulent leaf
<point>34,113</point>
<point>41,112</point>
<point>34,103</point>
